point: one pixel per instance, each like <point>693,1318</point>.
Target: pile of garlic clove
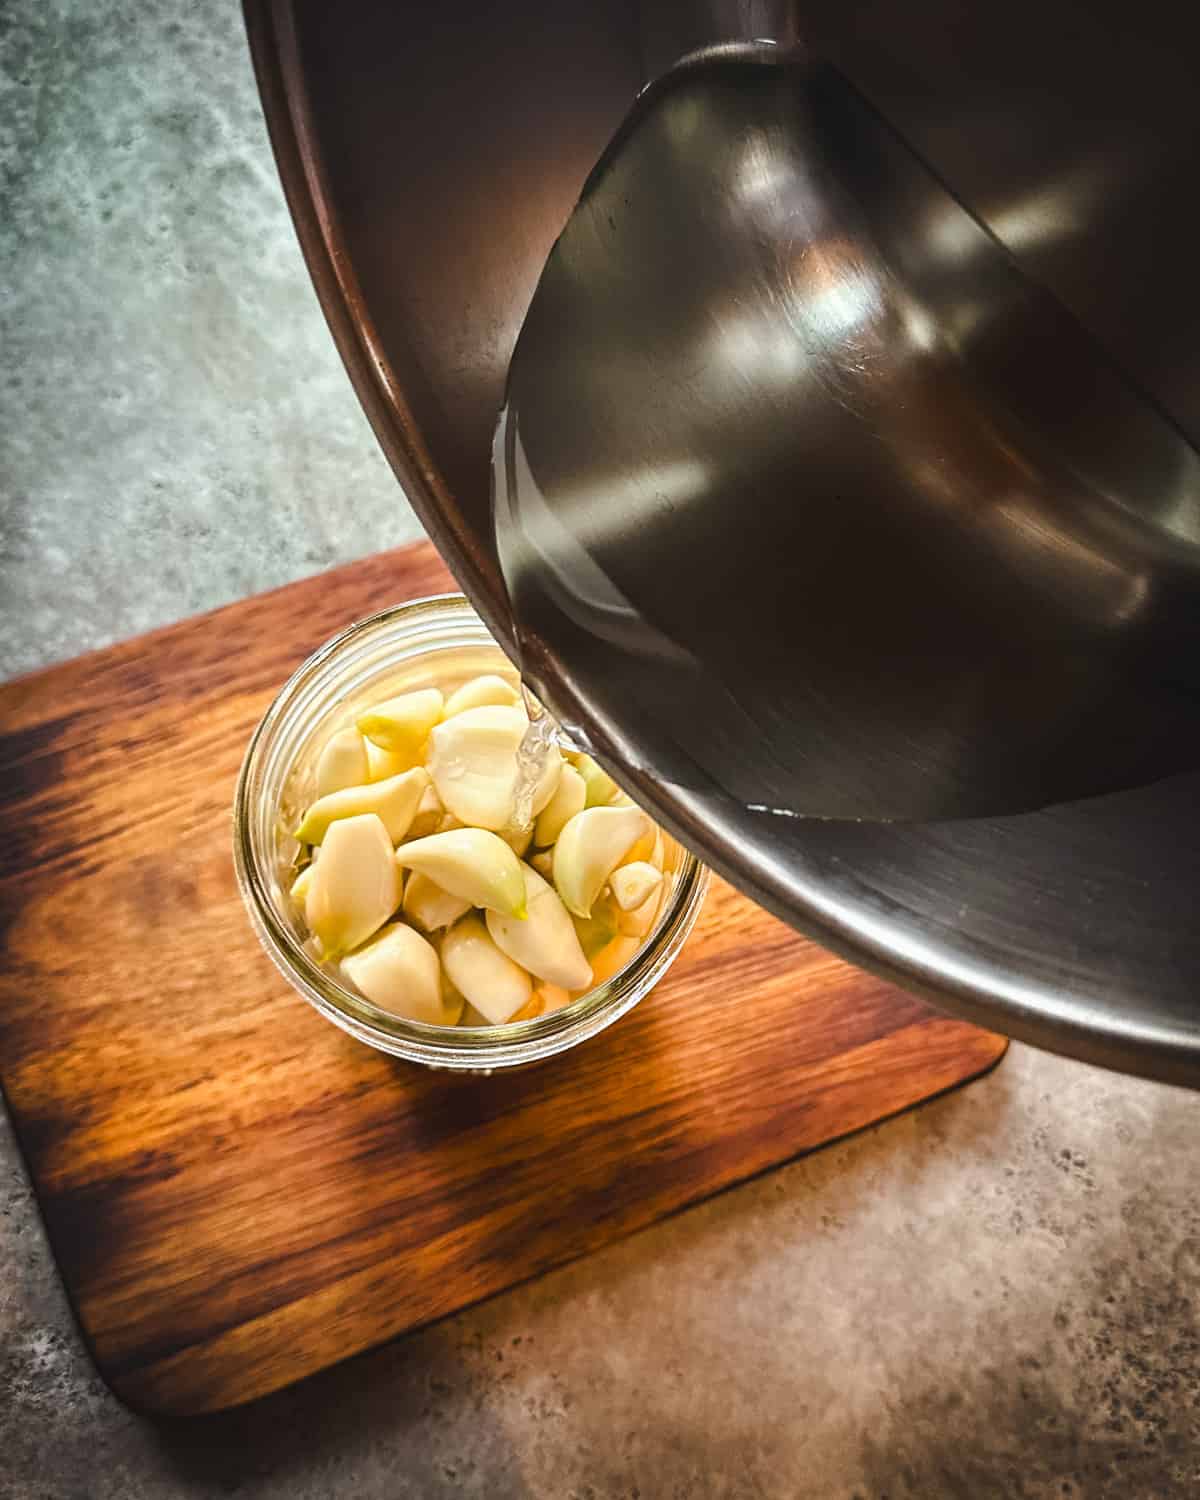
<point>419,880</point>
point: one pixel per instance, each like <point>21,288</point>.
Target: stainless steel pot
<point>431,157</point>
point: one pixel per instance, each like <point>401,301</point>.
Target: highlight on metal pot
<point>1072,926</point>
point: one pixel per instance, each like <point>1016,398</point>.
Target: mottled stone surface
<point>176,428</point>
<point>995,1296</point>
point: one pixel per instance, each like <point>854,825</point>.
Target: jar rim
<point>458,1047</point>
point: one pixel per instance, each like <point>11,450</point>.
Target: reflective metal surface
<point>804,489</point>
<point>431,157</point>
<point>1070,129</point>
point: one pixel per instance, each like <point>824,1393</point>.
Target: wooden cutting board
<point>237,1194</point>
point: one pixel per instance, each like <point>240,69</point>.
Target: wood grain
<point>236,1193</point>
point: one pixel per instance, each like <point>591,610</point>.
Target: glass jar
<point>425,643</point>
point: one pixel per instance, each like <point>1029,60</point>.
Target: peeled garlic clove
<point>428,816</point>
<point>429,906</point>
<point>532,1008</point>
<point>600,785</point>
<point>543,863</point>
<point>657,857</point>
<point>342,763</point>
<point>613,957</point>
<point>480,692</point>
<point>545,943</point>
<point>384,763</point>
<point>595,931</point>
<point>637,923</point>
<point>355,886</point>
<point>398,970</point>
<point>642,852</point>
<point>489,979</point>
<point>590,847</point>
<point>472,1017</point>
<point>299,890</point>
<point>633,884</point>
<point>473,761</point>
<point>402,724</point>
<point>552,996</point>
<point>547,782</point>
<point>470,863</point>
<point>393,801</point>
<point>570,797</point>
<point>447,822</point>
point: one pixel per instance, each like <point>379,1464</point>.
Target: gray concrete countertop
<point>996,1295</point>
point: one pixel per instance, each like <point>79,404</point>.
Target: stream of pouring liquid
<point>540,741</point>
